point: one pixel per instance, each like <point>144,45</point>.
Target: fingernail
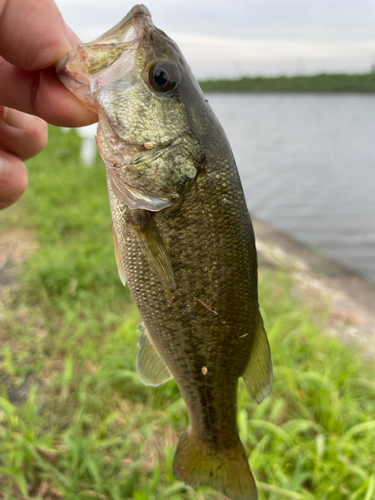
<point>16,118</point>
<point>2,165</point>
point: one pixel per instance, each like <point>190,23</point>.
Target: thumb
<point>33,33</point>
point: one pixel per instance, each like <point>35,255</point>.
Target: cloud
<point>221,38</point>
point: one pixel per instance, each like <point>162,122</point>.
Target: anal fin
<point>258,377</point>
<point>150,367</point>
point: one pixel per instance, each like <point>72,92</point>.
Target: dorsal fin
<point>258,377</point>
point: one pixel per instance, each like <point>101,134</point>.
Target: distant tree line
<point>324,82</point>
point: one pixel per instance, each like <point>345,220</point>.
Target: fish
<point>183,239</point>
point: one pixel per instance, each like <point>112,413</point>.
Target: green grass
<point>89,429</point>
<point>333,82</point>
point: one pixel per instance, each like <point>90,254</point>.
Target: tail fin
<point>226,471</point>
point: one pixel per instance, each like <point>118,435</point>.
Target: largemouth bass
<point>183,239</point>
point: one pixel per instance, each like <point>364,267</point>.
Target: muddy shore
<point>325,285</point>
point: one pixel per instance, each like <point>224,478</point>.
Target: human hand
<point>33,37</point>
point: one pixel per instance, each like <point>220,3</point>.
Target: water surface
<point>307,164</point>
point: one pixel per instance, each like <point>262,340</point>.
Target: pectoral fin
<point>154,249</point>
<point>258,377</point>
<point>120,265</point>
<point>150,367</point>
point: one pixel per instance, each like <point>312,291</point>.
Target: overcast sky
<point>233,38</point>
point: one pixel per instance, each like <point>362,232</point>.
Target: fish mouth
<point>110,57</point>
<point>131,28</point>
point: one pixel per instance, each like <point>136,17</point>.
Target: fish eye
<point>163,76</point>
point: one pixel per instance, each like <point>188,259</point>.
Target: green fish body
<point>183,239</point>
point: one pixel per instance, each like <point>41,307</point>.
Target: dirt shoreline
<point>323,284</point>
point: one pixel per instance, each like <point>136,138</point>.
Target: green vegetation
<point>316,83</point>
<point>76,423</point>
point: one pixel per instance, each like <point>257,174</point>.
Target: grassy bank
<point>75,421</point>
<point>316,83</point>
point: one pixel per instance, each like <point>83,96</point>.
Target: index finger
<point>41,93</point>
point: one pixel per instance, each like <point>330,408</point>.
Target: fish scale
<point>206,330</point>
<point>183,239</point>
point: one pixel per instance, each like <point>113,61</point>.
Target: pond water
<point>307,164</point>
